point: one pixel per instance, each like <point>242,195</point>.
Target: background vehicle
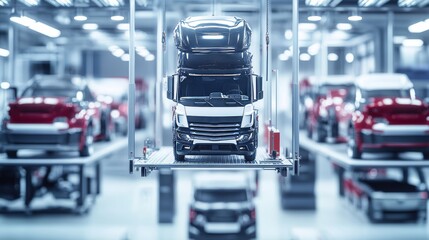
<point>114,93</point>
<point>388,117</point>
<point>55,114</point>
<point>214,89</point>
<point>330,113</point>
<point>391,195</point>
<point>222,207</point>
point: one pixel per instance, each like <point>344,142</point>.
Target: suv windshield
<point>224,195</point>
<point>324,90</point>
<point>50,92</point>
<point>197,87</point>
<point>386,93</point>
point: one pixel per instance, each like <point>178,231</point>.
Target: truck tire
<point>425,155</point>
<point>87,147</point>
<point>352,149</point>
<point>12,153</point>
<point>251,157</point>
<point>177,157</point>
<point>319,134</point>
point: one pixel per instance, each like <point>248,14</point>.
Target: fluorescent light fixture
<point>314,18</point>
<point>305,57</point>
<point>313,49</point>
<point>4,52</point>
<point>398,39</point>
<point>23,20</point>
<point>109,3</point>
<point>283,57</point>
<point>4,85</point>
<point>288,34</point>
<point>118,52</point>
<point>419,27</point>
<point>45,29</point>
<point>350,57</point>
<point>4,2</point>
<point>412,43</point>
<point>142,51</point>
<point>150,58</point>
<point>322,3</point>
<point>125,57</point>
<point>344,26</point>
<point>30,3</point>
<point>123,26</point>
<point>307,26</point>
<point>355,18</point>
<point>117,18</point>
<point>112,48</point>
<point>80,18</point>
<point>332,57</point>
<point>90,26</point>
<point>213,37</point>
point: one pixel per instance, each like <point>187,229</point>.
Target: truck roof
<point>221,180</point>
<point>202,21</point>
<point>380,81</point>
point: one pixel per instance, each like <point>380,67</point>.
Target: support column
<point>159,74</point>
<point>389,44</point>
<point>12,54</point>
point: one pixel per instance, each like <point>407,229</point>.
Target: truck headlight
<point>244,137</point>
<point>181,120</point>
<point>247,121</point>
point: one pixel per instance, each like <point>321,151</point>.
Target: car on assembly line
<point>55,114</point>
<point>222,207</point>
<point>389,194</point>
<point>330,114</point>
<point>388,117</point>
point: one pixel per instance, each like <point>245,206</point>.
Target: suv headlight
<point>181,120</point>
<point>247,121</point>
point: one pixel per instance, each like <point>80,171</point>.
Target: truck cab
<point>214,89</point>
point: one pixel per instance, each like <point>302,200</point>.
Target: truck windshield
<point>324,90</point>
<point>221,195</point>
<point>204,86</point>
<point>50,92</point>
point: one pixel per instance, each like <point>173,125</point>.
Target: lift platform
<point>164,158</point>
<point>337,154</point>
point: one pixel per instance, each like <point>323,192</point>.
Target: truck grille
<point>222,216</point>
<point>210,129</point>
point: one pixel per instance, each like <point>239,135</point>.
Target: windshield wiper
<point>208,102</point>
<point>235,100</point>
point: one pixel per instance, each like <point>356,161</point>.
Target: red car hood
<point>399,110</point>
<point>39,109</point>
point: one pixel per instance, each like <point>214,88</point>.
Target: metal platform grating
<point>164,158</point>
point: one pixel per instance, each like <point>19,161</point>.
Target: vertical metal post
<point>390,46</point>
<point>295,72</point>
<point>159,75</point>
<point>12,53</point>
<point>131,89</point>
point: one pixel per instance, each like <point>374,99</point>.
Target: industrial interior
<point>221,119</point>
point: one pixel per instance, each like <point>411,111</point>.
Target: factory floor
<point>127,209</point>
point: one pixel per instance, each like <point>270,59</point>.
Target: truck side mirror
<point>259,93</point>
<point>171,87</point>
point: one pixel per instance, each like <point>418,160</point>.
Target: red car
<point>114,92</point>
<point>330,114</point>
<point>388,117</point>
<point>55,114</point>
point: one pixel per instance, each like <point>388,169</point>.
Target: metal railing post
<point>131,89</point>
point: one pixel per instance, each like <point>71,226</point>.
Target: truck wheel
<point>425,155</point>
<point>319,135</point>
<point>177,157</point>
<point>87,148</point>
<point>251,157</point>
<point>12,153</point>
<point>367,208</point>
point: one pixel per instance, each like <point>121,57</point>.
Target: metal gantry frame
<point>164,158</point>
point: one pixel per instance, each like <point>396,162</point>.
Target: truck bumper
<point>64,140</point>
<point>246,232</point>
